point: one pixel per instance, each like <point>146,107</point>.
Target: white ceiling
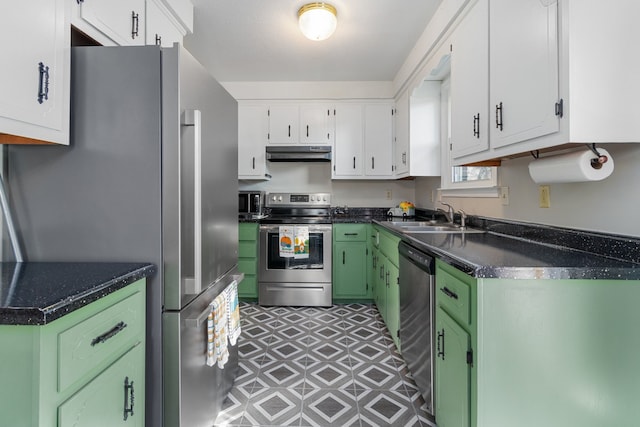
<point>259,40</point>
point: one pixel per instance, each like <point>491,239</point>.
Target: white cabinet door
<point>253,128</point>
<point>158,26</point>
<point>401,136</point>
<point>470,82</point>
<point>316,124</point>
<point>523,37</point>
<point>378,140</point>
<point>283,124</point>
<point>35,72</point>
<point>122,21</point>
<point>348,153</point>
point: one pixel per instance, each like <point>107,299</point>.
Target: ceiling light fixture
<point>317,21</point>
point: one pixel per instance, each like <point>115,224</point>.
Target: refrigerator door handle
<point>193,285</point>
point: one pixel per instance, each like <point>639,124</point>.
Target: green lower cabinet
<point>349,263</point>
<point>111,399</point>
<point>350,271</point>
<point>384,275</point>
<point>248,260</point>
<point>452,385</point>
<point>455,385</point>
<point>72,372</point>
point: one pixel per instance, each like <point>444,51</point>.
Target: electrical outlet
<point>504,195</point>
<point>389,194</point>
<point>544,193</point>
<point>433,196</point>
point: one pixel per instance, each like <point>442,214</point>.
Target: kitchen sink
<point>412,227</point>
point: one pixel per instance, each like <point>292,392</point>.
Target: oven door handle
<point>313,228</point>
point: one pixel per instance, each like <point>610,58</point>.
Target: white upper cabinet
<point>36,72</point>
<point>523,39</point>
<point>316,124</point>
<point>283,124</point>
<point>401,136</point>
<point>111,22</point>
<point>300,123</point>
<point>349,142</point>
<point>470,82</point>
<point>363,141</point>
<point>160,30</point>
<point>561,72</point>
<point>253,127</point>
<point>378,140</point>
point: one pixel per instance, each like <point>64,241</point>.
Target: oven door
<point>277,269</point>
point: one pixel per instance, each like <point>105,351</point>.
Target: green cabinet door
<point>393,302</point>
<point>452,382</point>
<point>114,398</point>
<point>248,260</point>
<point>350,271</point>
<point>350,263</point>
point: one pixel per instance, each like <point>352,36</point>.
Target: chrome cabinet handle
<point>499,116</point>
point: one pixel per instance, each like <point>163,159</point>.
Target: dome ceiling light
<point>317,21</point>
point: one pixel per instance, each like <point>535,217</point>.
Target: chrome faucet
<point>447,214</point>
<point>463,219</point>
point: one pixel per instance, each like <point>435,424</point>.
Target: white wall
<point>316,177</point>
<point>610,206</point>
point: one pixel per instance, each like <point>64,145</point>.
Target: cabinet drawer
<point>248,249</point>
<point>99,338</point>
<point>389,246</point>
<point>350,232</point>
<point>454,296</point>
<point>248,266</point>
<point>248,231</point>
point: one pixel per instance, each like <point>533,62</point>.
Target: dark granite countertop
<point>509,250</point>
<point>37,293</point>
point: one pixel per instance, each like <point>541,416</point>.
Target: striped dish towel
<point>217,350</point>
<point>233,312</point>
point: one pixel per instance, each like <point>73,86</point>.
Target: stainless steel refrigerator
<point>150,175</point>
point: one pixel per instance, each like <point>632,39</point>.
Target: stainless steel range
<point>295,250</point>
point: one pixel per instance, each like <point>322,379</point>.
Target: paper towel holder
<point>598,161</point>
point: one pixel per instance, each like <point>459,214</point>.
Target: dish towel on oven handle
<point>285,239</point>
<point>301,242</point>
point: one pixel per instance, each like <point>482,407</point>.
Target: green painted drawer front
<point>98,338</point>
<point>248,231</point>
<point>102,401</point>
<point>350,232</point>
<point>247,266</point>
<point>247,249</point>
<point>248,260</point>
<point>389,246</point>
<point>454,296</point>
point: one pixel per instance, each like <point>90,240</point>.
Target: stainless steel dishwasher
<point>417,282</point>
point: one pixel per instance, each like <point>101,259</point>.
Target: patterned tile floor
<point>311,366</point>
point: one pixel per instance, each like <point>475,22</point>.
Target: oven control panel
<point>298,199</point>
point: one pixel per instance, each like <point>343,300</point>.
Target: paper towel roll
<point>570,167</point>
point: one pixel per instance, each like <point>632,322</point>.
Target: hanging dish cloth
<point>233,312</point>
<point>285,237</point>
<point>301,246</point>
<point>219,351</point>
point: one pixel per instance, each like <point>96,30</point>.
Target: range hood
<point>299,153</point>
